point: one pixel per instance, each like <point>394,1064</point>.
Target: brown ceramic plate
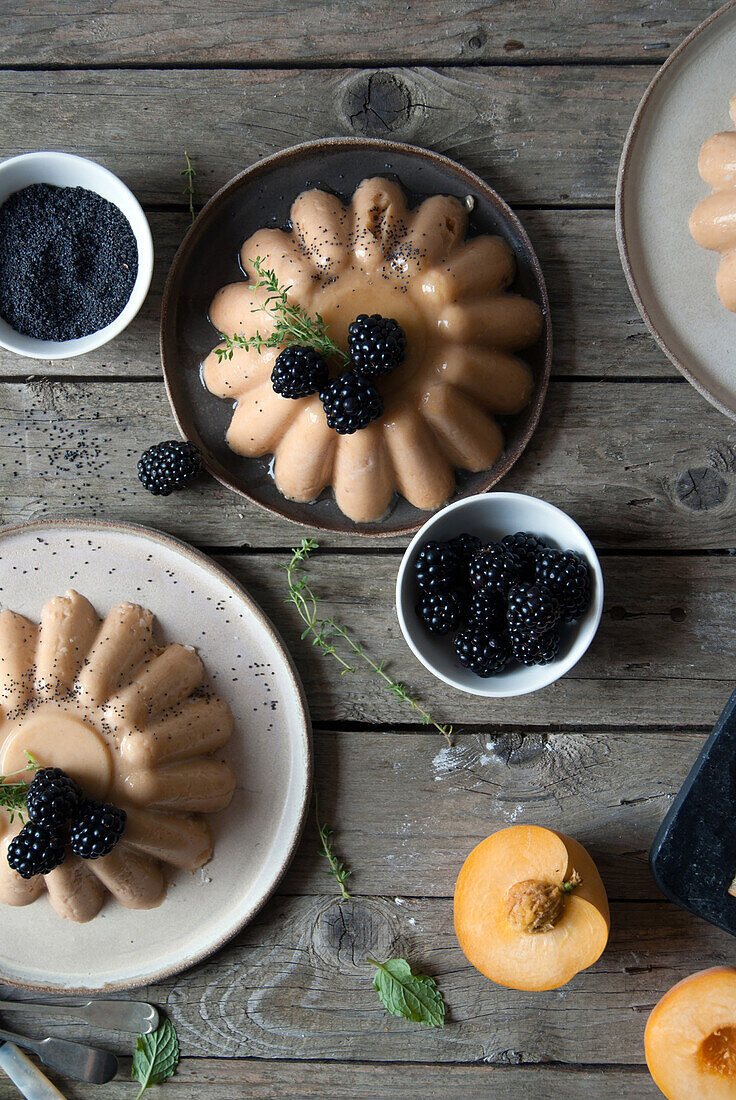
<point>208,258</point>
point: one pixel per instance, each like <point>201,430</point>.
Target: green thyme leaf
<point>292,323</point>
<point>336,867</point>
<point>326,632</point>
<point>413,996</point>
<point>156,1057</point>
<point>13,795</point>
<point>190,173</point>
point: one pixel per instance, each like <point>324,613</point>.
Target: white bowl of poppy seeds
<point>76,255</point>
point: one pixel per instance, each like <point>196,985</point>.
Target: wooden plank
<point>540,135</point>
<point>406,810</point>
<point>236,32</point>
<point>263,1079</point>
<point>597,329</point>
<point>637,464</point>
<point>295,984</point>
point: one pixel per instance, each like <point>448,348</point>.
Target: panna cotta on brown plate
<point>130,723</point>
<point>437,410</point>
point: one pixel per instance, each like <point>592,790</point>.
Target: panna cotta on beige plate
<point>130,722</point>
<point>463,328</point>
<point>713,221</point>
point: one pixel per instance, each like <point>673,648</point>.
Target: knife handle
<point>33,1084</point>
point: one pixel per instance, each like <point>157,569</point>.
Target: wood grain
<point>295,984</point>
<point>236,32</point>
<point>407,810</point>
<point>637,465</point>
<point>597,330</point>
<point>539,135</point>
<point>264,1079</point>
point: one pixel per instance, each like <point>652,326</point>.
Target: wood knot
<point>517,750</point>
<point>379,104</point>
<point>345,932</point>
<point>701,488</point>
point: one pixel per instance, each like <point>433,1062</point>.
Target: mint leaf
<point>156,1057</point>
<point>413,996</point>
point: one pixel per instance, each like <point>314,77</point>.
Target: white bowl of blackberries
<point>499,594</point>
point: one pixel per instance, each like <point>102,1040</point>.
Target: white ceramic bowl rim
<point>518,680</point>
<point>70,170</point>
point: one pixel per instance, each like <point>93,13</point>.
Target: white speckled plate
<point>196,603</point>
<point>671,278</point>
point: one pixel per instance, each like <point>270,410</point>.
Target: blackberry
<point>465,546</point>
<point>36,850</point>
<point>535,649</point>
<point>351,402</point>
<point>488,612</point>
<point>524,547</point>
<point>567,576</point>
<point>532,608</point>
<point>97,830</point>
<point>493,569</point>
<point>377,344</point>
<point>299,372</point>
<point>482,652</point>
<point>436,566</point>
<point>439,610</point>
<point>169,466</point>
<point>53,798</point>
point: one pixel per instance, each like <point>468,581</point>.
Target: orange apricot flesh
<point>530,908</point>
<point>690,1037</point>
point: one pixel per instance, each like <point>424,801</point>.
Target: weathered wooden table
<point>535,95</point>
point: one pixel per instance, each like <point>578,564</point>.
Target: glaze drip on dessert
<point>713,221</point>
<point>450,295</point>
<point>129,721</point>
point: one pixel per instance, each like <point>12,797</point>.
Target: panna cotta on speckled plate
<point>713,221</point>
<point>126,719</point>
<point>440,405</point>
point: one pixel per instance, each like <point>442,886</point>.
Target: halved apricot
<point>530,908</point>
<point>690,1037</point>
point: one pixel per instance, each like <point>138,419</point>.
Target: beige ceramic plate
<point>671,278</point>
<point>197,603</point>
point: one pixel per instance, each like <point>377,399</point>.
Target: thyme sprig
<point>190,173</point>
<point>326,632</point>
<point>293,324</point>
<point>336,867</point>
<point>13,795</point>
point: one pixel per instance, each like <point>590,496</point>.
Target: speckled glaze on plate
<point>672,279</point>
<point>208,259</point>
<point>197,603</point>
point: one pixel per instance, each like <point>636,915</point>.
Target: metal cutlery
<point>26,1077</point>
<point>135,1016</point>
<point>74,1059</point>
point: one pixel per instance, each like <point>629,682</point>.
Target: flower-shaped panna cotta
<point>713,221</point>
<point>450,296</point>
<point>128,721</point>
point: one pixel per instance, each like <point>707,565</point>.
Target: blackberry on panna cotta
<point>97,830</point>
<point>439,610</point>
<point>377,344</point>
<point>53,798</point>
<point>524,547</point>
<point>299,372</point>
<point>493,569</point>
<point>567,577</point>
<point>482,652</point>
<point>437,566</point>
<point>535,649</point>
<point>36,850</point>
<point>532,608</point>
<point>351,402</point>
